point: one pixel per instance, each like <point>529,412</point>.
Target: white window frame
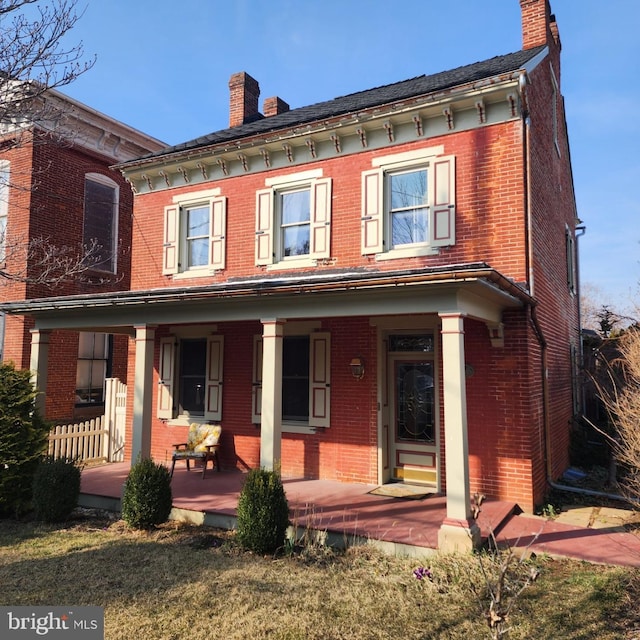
<point>103,180</point>
<point>319,380</point>
<point>106,358</point>
<point>441,191</point>
<point>570,248</point>
<point>555,90</point>
<point>268,234</point>
<point>175,240</point>
<point>5,176</point>
<point>168,384</point>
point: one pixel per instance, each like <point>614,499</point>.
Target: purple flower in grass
<point>422,573</point>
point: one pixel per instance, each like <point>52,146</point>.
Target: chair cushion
<point>203,435</point>
<point>177,455</point>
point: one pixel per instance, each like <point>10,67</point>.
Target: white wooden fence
<point>100,439</point>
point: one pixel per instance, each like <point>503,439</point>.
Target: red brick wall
<point>48,202</point>
<point>490,222</point>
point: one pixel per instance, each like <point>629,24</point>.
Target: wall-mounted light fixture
<point>357,368</point>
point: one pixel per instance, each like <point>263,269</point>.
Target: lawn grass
<point>181,581</point>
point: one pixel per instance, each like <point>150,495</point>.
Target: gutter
<point>267,287</point>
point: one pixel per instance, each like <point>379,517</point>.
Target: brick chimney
<point>538,24</point>
<point>243,103</point>
<point>274,106</point>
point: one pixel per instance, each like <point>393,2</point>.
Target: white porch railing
<point>80,441</point>
<point>100,439</point>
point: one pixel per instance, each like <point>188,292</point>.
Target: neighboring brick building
<point>58,186</point>
<point>372,288</point>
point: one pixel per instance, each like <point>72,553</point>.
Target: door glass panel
<point>414,402</point>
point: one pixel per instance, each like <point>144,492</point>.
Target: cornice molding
<point>376,128</point>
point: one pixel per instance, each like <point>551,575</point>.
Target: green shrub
<point>263,512</point>
<point>56,488</point>
<point>23,440</point>
<point>146,497</point>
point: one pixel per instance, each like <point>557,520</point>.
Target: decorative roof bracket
<point>496,334</point>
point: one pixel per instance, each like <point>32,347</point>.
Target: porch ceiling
<point>473,290</point>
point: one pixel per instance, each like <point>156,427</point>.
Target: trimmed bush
<point>23,440</point>
<point>56,488</point>
<point>263,512</point>
<point>146,496</point>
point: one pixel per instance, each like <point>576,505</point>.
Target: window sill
<point>410,252</point>
<point>185,421</point>
<point>200,273</point>
<point>294,263</point>
<point>295,427</point>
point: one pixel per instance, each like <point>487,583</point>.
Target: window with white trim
<point>306,378</point>
<point>570,248</point>
<point>194,235</point>
<point>4,206</point>
<point>93,365</point>
<point>293,220</point>
<point>100,228</point>
<point>408,205</point>
<point>190,371</point>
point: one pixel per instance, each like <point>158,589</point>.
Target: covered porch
<point>343,514</point>
<point>441,301</point>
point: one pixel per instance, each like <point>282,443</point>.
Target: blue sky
<point>163,67</point>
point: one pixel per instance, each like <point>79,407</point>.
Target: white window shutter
<point>319,379</point>
<point>217,233</point>
<point>256,381</point>
<point>213,406</point>
<point>170,241</point>
<point>442,194</point>
<point>372,211</point>
<point>166,371</point>
<point>321,218</point>
<point>264,227</point>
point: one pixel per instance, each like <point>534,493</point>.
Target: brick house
<point>374,288</point>
<point>56,184</point>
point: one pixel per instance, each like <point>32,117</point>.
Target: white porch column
<point>271,425</point>
<point>142,393</point>
<point>459,531</point>
<point>38,365</point>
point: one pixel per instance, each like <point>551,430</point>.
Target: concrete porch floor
<point>348,514</point>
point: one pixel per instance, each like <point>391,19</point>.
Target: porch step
<point>494,516</point>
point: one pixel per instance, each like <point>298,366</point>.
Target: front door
<point>412,413</point>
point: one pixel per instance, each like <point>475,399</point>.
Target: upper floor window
<point>294,214</point>
<point>4,206</point>
<point>293,219</point>
<point>408,207</point>
<point>101,219</point>
<point>408,204</point>
<point>194,234</point>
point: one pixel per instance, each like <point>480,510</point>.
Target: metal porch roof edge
<point>270,286</point>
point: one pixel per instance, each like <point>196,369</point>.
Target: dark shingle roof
<point>421,85</point>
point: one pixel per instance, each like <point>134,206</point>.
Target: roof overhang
<point>457,108</point>
<point>474,291</point>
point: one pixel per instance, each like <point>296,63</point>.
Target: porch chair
<point>202,444</point>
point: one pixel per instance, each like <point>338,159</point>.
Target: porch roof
<point>474,289</point>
